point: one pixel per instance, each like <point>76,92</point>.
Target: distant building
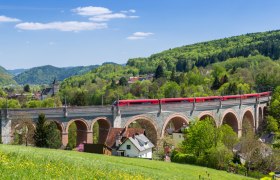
<point>178,138</point>
<point>50,91</point>
<point>132,80</point>
<point>136,146</point>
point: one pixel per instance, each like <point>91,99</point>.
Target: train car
<point>265,94</point>
<point>231,97</point>
<point>131,102</point>
<point>208,99</point>
<point>255,95</point>
<point>176,100</point>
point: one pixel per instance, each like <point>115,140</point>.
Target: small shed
<point>98,149</point>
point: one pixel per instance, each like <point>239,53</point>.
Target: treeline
<point>202,54</point>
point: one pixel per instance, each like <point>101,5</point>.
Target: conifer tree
<point>159,72</point>
<point>40,135</point>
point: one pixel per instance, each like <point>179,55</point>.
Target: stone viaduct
<point>156,118</point>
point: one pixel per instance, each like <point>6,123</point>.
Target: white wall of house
<point>134,152</point>
<point>146,154</point>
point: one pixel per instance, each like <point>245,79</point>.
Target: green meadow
<point>19,162</point>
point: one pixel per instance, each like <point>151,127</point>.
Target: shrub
<point>184,158</point>
<point>219,157</point>
<point>255,174</point>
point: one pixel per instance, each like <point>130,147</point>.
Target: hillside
<point>19,162</point>
<point>242,64</point>
<point>202,54</point>
<point>16,71</point>
<point>46,74</point>
<point>5,77</point>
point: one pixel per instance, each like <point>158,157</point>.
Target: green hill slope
<point>46,74</point>
<point>205,53</point>
<point>5,77</point>
<point>19,162</point>
<point>241,64</point>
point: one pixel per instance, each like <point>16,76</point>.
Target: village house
<point>50,91</point>
<point>119,139</point>
<point>136,146</point>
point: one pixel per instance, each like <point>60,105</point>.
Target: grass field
<point>19,162</point>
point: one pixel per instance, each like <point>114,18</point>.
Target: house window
<point>128,147</point>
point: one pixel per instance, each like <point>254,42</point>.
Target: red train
<point>190,100</point>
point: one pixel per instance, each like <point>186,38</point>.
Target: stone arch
<point>59,125</point>
<point>82,130</point>
<point>22,132</point>
<point>206,114</point>
<point>177,119</point>
<point>230,118</point>
<point>247,120</point>
<point>147,124</point>
<point>104,126</point>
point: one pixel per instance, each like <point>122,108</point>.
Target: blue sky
<point>87,32</point>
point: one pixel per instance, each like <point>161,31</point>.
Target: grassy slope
<point>18,162</point>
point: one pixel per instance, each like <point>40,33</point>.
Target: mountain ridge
<point>45,74</point>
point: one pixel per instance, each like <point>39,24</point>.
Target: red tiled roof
<point>124,132</point>
<point>111,138</point>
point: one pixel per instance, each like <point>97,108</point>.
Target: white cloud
<point>8,19</point>
<point>62,26</point>
<point>101,14</point>
<point>139,35</point>
<point>129,11</point>
<point>91,11</point>
<point>132,11</point>
<point>107,17</point>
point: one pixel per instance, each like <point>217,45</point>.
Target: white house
<point>136,146</point>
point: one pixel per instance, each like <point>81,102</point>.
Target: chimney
<point>118,140</point>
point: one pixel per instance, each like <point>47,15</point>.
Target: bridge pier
<point>64,139</point>
<point>89,137</point>
<point>239,133</point>
<point>5,127</point>
<point>6,130</point>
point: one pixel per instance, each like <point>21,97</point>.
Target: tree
<point>200,137</point>
<point>26,88</point>
<point>53,135</point>
<point>216,83</point>
<point>219,157</point>
<point>113,84</point>
<point>272,125</point>
<point>159,72</point>
<point>171,89</point>
<point>80,99</point>
<point>173,76</point>
<point>250,148</point>
<point>24,130</point>
<point>228,136</point>
<point>123,81</point>
<point>40,135</point>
